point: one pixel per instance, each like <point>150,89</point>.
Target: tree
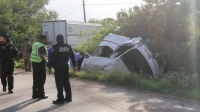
<point>89,46</point>
<point>22,18</point>
<point>172,23</point>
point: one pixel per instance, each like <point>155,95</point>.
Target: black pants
<point>62,81</point>
<point>39,78</point>
<point>7,74</point>
<point>79,63</point>
<point>0,69</point>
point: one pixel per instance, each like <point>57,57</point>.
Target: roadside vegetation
<point>174,83</point>
<point>19,64</point>
<point>22,18</point>
<point>174,25</point>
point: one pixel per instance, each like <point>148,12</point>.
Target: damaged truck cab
<point>129,55</point>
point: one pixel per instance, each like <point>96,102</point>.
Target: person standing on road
<point>80,60</point>
<point>26,54</point>
<point>1,42</point>
<point>59,59</point>
<point>38,57</point>
<point>9,54</point>
<point>49,56</point>
<point>49,53</point>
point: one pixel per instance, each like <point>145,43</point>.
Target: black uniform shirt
<point>42,50</point>
<point>8,52</point>
<point>60,54</point>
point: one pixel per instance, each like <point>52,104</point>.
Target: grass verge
<point>174,83</point>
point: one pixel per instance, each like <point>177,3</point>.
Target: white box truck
<point>69,29</point>
<point>74,28</point>
<point>53,28</point>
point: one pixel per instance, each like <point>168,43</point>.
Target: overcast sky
<point>73,10</point>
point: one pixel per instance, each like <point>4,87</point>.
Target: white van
<point>131,55</point>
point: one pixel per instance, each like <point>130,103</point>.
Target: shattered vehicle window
<point>121,50</point>
<point>103,51</point>
<point>135,62</point>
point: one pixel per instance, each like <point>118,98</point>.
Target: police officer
<point>58,60</point>
<point>1,42</point>
<point>9,54</point>
<point>39,61</point>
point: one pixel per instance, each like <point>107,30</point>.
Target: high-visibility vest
<point>35,54</point>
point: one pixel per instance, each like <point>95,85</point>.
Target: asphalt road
<point>91,96</point>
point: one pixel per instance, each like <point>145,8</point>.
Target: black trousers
<point>7,74</point>
<point>79,63</point>
<point>62,81</point>
<point>39,78</point>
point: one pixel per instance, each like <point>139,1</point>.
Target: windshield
<point>121,50</point>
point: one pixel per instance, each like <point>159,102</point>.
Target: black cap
<point>6,35</point>
<point>81,53</point>
<point>59,37</point>
<point>26,39</point>
<point>43,37</point>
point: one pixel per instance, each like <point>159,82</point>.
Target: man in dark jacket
<point>58,60</point>
<point>80,60</point>
<point>1,42</point>
<point>8,54</point>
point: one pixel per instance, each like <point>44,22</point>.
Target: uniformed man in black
<point>39,67</point>
<point>9,54</point>
<point>1,42</point>
<point>58,60</point>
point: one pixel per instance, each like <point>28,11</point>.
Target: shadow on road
<point>21,72</point>
<point>19,106</point>
<point>3,94</point>
<point>152,102</point>
<point>53,107</point>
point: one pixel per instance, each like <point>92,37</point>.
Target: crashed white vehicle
<point>119,52</point>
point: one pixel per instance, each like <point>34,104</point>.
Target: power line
<point>98,4</point>
<point>72,11</point>
<point>104,14</point>
<point>69,9</point>
<point>61,4</point>
<point>114,4</point>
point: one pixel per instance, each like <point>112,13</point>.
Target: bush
<point>19,64</point>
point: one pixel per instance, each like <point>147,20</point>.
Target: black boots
<point>43,97</point>
<point>58,101</point>
<point>4,88</point>
<point>67,100</point>
<point>10,91</point>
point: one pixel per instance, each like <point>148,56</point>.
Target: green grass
<point>174,83</point>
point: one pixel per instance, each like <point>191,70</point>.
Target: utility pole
<point>84,11</point>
